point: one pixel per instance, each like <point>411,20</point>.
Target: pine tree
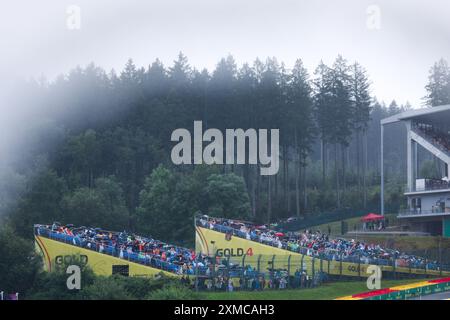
<point>361,117</point>
<point>438,87</point>
<point>300,121</point>
<point>322,109</point>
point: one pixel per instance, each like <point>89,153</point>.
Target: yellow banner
<point>55,253</point>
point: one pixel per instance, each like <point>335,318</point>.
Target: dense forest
<point>95,148</point>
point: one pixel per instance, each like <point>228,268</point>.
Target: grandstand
<point>237,253</point>
<point>110,252</point>
<point>313,253</point>
<point>428,198</point>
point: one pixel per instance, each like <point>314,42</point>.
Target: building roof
<point>431,113</point>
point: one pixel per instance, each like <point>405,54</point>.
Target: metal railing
<point>441,185</point>
<point>419,212</point>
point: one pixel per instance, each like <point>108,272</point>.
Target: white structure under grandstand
<point>428,200</point>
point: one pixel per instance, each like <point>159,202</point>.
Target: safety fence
<point>259,272</point>
<point>323,269</point>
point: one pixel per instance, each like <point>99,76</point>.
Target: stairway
<point>425,141</point>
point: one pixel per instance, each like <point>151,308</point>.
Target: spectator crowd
<point>317,244</point>
<point>129,246</point>
<point>212,273</point>
<point>175,259</point>
<point>437,137</point>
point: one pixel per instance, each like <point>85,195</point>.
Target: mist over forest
<point>93,147</point>
<point>123,123</point>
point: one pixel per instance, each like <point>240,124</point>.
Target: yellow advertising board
<point>56,252</point>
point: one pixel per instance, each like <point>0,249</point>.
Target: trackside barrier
<point>404,292</point>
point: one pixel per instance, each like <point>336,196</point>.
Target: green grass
<point>326,291</point>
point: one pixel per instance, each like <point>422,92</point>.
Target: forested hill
<point>95,146</point>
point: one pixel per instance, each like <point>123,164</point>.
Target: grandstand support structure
<point>228,245</point>
<point>55,253</point>
<point>428,198</point>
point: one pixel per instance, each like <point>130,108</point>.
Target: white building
<point>428,199</point>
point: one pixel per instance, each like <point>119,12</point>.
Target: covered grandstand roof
<point>434,114</point>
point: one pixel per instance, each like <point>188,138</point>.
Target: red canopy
<point>372,217</point>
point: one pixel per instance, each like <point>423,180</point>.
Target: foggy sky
<point>35,40</point>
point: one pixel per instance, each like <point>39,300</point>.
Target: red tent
<point>372,217</point>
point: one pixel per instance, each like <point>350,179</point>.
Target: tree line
<point>98,148</point>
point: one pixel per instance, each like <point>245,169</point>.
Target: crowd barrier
<point>404,292</point>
